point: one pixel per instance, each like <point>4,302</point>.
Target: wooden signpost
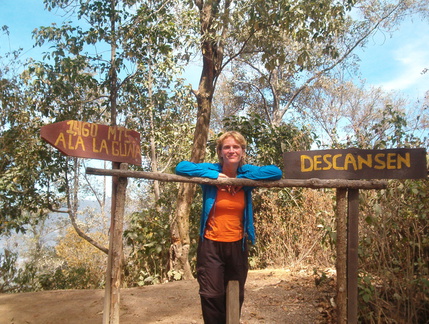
<point>352,164</point>
<point>340,169</point>
<point>111,143</point>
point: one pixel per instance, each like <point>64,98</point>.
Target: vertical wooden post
<point>107,288</point>
<point>114,261</point>
<point>341,262</point>
<point>232,303</point>
<point>352,255</point>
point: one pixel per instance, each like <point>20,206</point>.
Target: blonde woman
<point>226,222</point>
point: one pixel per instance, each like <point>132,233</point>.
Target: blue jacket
<point>212,170</point>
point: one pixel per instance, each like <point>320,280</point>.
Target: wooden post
<point>352,255</point>
<point>114,261</point>
<point>341,262</point>
<point>232,303</point>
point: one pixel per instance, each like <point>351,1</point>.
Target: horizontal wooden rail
<point>283,183</point>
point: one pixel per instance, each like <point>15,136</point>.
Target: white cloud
<point>410,60</point>
<point>397,63</point>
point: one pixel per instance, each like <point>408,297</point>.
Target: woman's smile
<point>232,150</point>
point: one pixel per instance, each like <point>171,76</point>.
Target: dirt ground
<point>272,296</point>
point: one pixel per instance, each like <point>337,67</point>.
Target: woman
<point>226,221</point>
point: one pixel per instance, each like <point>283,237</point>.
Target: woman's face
<point>231,151</point>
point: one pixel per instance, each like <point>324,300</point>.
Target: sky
<point>396,62</point>
<point>392,62</point>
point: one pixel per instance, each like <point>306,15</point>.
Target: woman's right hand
<point>231,189</point>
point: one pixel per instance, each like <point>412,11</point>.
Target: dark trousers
<point>218,263</point>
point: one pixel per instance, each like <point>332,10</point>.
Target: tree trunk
<point>153,156</point>
<point>180,244</point>
<point>212,52</point>
<point>180,240</point>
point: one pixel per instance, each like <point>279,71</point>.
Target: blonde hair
<point>238,137</point>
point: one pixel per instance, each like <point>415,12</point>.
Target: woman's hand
<point>232,190</point>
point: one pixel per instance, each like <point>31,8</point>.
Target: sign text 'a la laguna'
<point>356,164</point>
<point>96,141</point>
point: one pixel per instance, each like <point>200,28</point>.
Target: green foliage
<point>69,278</point>
<point>27,279</point>
<point>74,81</point>
<point>266,143</point>
<point>148,238</point>
<point>394,253</point>
<point>41,269</point>
<point>32,278</point>
<point>366,290</point>
<point>27,166</point>
<point>306,24</point>
<point>8,271</point>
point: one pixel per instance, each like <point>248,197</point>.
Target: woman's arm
<point>191,169</point>
<point>267,172</point>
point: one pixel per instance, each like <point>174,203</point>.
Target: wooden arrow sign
<point>89,140</point>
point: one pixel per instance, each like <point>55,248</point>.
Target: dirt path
<point>272,296</point>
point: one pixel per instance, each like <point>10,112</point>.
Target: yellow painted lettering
<point>115,150</point>
<point>362,161</point>
<point>381,164</point>
<point>103,146</point>
<point>334,162</point>
<point>317,162</point>
<point>124,149</point>
<point>126,135</point>
<point>60,139</point>
<point>391,161</point>
<point>80,142</point>
<point>94,145</point>
<point>136,150</point>
<point>86,129</point>
<point>120,131</point>
<point>71,127</point>
<point>327,160</point>
<point>404,160</point>
<point>111,132</point>
<point>79,127</point>
<point>71,147</point>
<point>304,168</point>
<point>94,130</point>
<point>75,127</point>
<point>350,159</point>
<point>131,150</point>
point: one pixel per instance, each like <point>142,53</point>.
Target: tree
<point>296,65</point>
<point>227,29</point>
<point>26,166</point>
<point>73,83</point>
<point>77,253</point>
<point>130,85</point>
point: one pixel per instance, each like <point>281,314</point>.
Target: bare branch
<point>280,113</point>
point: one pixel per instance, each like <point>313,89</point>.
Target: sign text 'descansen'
<point>356,164</point>
<point>89,140</point>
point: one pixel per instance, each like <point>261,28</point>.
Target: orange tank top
<point>225,223</point>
